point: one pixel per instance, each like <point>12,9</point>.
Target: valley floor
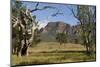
<point>51,53</point>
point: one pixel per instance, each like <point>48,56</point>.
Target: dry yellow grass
<point>53,46</point>
<point>52,52</point>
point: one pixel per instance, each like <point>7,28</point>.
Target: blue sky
<point>44,16</point>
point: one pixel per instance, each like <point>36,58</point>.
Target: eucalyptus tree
<point>61,38</point>
<point>86,15</point>
<point>24,27</point>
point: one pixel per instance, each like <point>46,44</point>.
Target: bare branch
<point>75,15</point>
<point>13,19</point>
<point>45,7</point>
<point>57,13</point>
<point>72,10</point>
<point>37,5</point>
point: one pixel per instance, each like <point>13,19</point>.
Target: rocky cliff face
<point>48,33</point>
<point>52,28</point>
<point>56,27</point>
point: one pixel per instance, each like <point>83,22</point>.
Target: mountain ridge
<point>52,28</point>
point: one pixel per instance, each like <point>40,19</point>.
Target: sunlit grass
<point>47,53</point>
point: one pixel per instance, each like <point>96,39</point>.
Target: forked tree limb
<point>43,8</point>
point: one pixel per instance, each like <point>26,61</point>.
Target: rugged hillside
<point>52,28</point>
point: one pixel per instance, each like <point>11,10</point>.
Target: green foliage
<point>16,7</point>
<point>36,38</point>
<point>86,16</point>
<point>22,29</point>
<point>61,38</point>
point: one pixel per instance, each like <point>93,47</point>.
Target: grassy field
<point>52,52</point>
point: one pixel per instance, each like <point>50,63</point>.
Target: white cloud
<point>43,23</point>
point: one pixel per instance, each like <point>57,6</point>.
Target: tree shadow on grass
<point>74,55</point>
